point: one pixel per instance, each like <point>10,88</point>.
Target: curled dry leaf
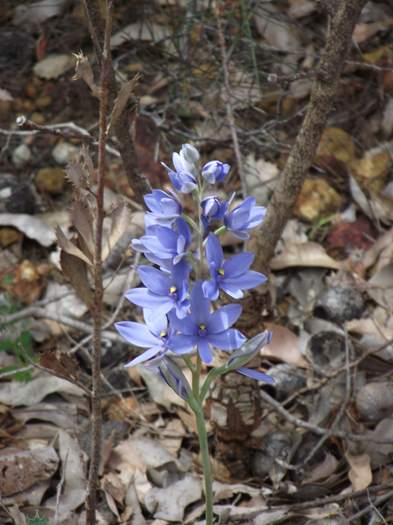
<point>69,247</point>
<point>380,287</point>
<point>170,503</point>
<point>308,254</point>
<point>285,345</point>
<point>84,71</point>
<point>127,90</point>
<point>360,473</point>
<point>31,226</point>
<point>76,271</point>
<point>74,473</point>
<point>21,469</point>
<point>28,394</point>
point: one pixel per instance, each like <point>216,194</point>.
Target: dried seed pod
<point>374,401</point>
<point>327,350</point>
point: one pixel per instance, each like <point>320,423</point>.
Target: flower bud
<point>215,171</point>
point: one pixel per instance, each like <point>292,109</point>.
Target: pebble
<point>21,155</point>
<point>51,180</point>
<point>339,304</point>
<point>64,152</point>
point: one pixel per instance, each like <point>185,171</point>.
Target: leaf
<point>308,254</point>
<point>28,394</point>
<point>74,472</point>
<point>285,345</point>
<point>69,247</point>
<point>84,71</point>
<point>127,90</point>
<point>53,66</point>
<point>83,220</point>
<point>360,473</point>
<point>33,227</point>
<point>121,218</point>
<point>76,271</point>
<point>21,469</point>
<point>380,287</point>
<point>38,520</point>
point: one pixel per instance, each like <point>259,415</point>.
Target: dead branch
<point>323,93</point>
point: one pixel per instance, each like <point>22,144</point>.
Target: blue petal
<point>257,215</point>
<point>255,374</point>
<point>214,253</point>
<point>181,344</point>
<point>157,281</point>
<point>228,340</point>
<point>249,280</point>
<point>238,264</point>
<point>210,289</point>
<point>204,350</point>
<point>223,318</point>
<point>157,322</point>
<point>137,334</point>
<point>200,306</point>
<point>231,290</point>
<point>143,297</point>
<point>146,356</point>
<point>185,326</point>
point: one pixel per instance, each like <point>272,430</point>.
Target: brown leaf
<point>69,247</point>
<point>127,90</point>
<point>285,345</point>
<point>21,469</point>
<point>121,219</point>
<point>83,220</point>
<point>308,254</point>
<point>61,364</point>
<point>359,473</point>
<point>76,271</point>
<point>84,72</point>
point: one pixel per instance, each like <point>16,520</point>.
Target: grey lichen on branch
<point>323,94</point>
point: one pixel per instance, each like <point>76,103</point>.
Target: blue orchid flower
<point>204,329</point>
<point>233,275</point>
<point>164,291</point>
<point>164,208</point>
<point>156,335</point>
<point>165,246</point>
<point>184,177</point>
<point>213,209</point>
<point>244,217</point>
<point>241,357</point>
<point>215,171</point>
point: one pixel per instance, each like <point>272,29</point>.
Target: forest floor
<point>318,447</point>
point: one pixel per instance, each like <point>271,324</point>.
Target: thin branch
<point>96,415</point>
<point>323,94</point>
<point>228,102</point>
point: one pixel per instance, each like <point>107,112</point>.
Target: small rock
<point>374,401</point>
<point>339,304</point>
<point>63,152</point>
<point>37,118</point>
<point>9,236</point>
<point>51,180</point>
<point>21,155</point>
<point>53,66</point>
<point>43,102</point>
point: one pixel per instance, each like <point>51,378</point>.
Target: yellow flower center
<point>163,333</point>
<point>202,326</point>
<point>172,289</point>
<point>221,271</point>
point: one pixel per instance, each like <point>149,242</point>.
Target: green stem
<point>207,472</point>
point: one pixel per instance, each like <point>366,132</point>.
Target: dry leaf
<point>74,472</point>
<point>83,220</point>
<point>69,247</point>
<point>30,15</point>
<point>380,287</point>
<point>308,254</point>
<point>127,90</point>
<point>170,503</point>
<point>317,199</point>
<point>285,345</point>
<point>143,31</point>
<point>121,219</point>
<point>21,469</point>
<point>28,394</point>
<point>31,226</point>
<point>336,143</point>
<point>360,473</point>
<point>277,32</point>
<point>84,71</point>
<point>76,271</point>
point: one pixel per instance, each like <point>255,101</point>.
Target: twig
<point>323,93</point>
<point>371,506</point>
<point>315,428</point>
<point>40,313</point>
<point>228,103</point>
<point>96,415</point>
